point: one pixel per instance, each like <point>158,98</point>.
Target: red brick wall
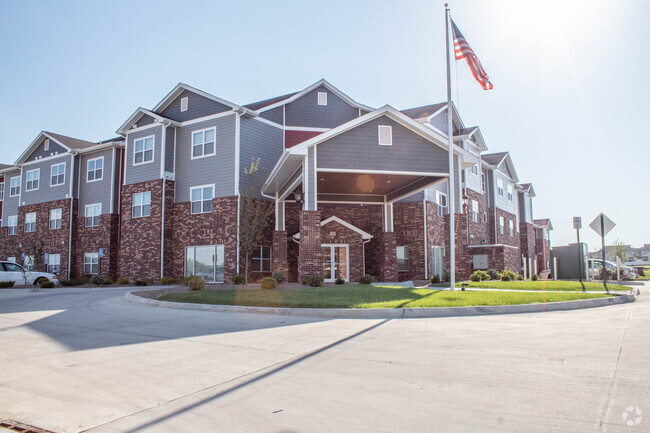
<point>479,232</point>
<point>90,240</point>
<point>497,237</point>
<point>310,261</point>
<point>343,235</point>
<point>436,234</point>
<point>528,241</point>
<point>501,257</point>
<point>408,224</point>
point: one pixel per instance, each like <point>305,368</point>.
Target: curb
<point>387,313</point>
<point>31,290</point>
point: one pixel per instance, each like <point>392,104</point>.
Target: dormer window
<point>46,144</point>
<point>184,103</point>
<point>385,135</point>
<point>322,98</point>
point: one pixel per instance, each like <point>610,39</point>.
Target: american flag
<point>463,50</point>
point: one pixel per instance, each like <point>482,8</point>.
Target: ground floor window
<point>11,259</point>
<point>402,259</point>
<point>262,259</point>
<point>91,263</point>
<point>206,262</point>
<point>54,263</point>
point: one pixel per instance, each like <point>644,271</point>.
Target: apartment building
<point>354,190</point>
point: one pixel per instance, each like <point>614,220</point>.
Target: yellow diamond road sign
<point>597,226</point>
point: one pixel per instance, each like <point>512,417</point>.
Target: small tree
<point>254,213</point>
<point>619,249</point>
<point>39,257</point>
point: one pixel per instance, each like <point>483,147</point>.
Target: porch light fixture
<point>298,197</point>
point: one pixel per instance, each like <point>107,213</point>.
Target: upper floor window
<point>442,204</point>
<point>201,197</point>
<point>55,218</point>
<point>32,177</point>
<point>93,213</point>
<point>141,204</point>
<point>14,187</point>
<point>501,225</point>
<point>12,224</point>
<point>483,182</point>
<point>474,170</point>
<point>475,214</point>
<point>402,259</point>
<point>143,150</point>
<point>30,222</point>
<point>203,143</point>
<point>385,135</point>
<point>2,191</point>
<point>511,227</point>
<point>322,98</point>
<point>46,144</point>
<point>54,263</point>
<point>500,187</point>
<point>58,174</point>
<point>184,104</point>
<point>95,169</point>
<point>262,259</point>
<point>510,192</point>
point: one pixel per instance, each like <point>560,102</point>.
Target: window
<point>93,212</point>
<point>474,170</point>
<point>322,98</point>
<point>483,182</point>
<point>12,224</point>
<point>184,104</point>
<point>442,204</point>
<point>14,187</point>
<point>206,262</point>
<point>201,197</point>
<point>475,216</point>
<point>141,204</point>
<point>91,263</point>
<point>11,259</point>
<point>485,217</point>
<point>510,191</point>
<point>58,174</point>
<point>28,263</point>
<point>2,191</point>
<point>33,177</point>
<point>262,259</point>
<point>511,228</point>
<point>402,259</point>
<point>95,169</point>
<point>143,150</point>
<point>30,222</point>
<point>203,143</point>
<point>54,263</point>
<point>385,135</point>
<point>500,187</point>
<point>501,226</point>
<point>55,219</point>
<point>46,144</point>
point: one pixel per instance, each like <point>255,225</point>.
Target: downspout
<point>73,153</point>
<point>424,214</point>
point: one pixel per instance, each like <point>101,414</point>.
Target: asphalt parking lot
<point>90,361</point>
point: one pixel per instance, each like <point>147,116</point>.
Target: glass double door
<point>336,262</point>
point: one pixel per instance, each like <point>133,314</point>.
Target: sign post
<point>603,225</point>
<point>577,224</point>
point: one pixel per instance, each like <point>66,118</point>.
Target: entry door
<point>336,262</point>
<point>437,254</point>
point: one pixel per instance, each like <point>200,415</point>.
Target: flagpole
<point>450,182</point>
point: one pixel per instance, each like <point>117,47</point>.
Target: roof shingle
<point>72,143</point>
<point>493,158</point>
<point>424,111</point>
<point>265,103</point>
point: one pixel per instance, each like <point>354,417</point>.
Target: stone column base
<point>388,257</point>
<point>310,260</point>
<point>279,259</point>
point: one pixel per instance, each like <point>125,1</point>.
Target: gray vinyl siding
<point>143,172</point>
<point>473,181</point>
<point>75,177</point>
<point>40,151</point>
<point>144,120</point>
<point>170,134</point>
<point>10,204</point>
<point>275,115</point>
<point>525,208</point>
<point>311,179</point>
<point>45,192</point>
<point>440,122</point>
<point>218,169</point>
<point>97,191</point>
<point>503,202</point>
<point>503,167</point>
<point>197,106</point>
<point>117,181</point>
<point>259,140</point>
<point>306,112</point>
<point>432,193</point>
<point>359,149</point>
<point>487,194</point>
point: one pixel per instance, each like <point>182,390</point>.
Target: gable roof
<point>137,114</point>
<point>3,166</point>
<point>321,82</point>
<point>494,158</point>
<point>180,87</point>
<point>424,111</point>
<point>68,143</point>
<point>364,235</point>
<point>266,102</point>
<point>528,187</point>
<point>544,222</point>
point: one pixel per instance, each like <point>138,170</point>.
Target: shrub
<point>47,285</point>
<point>313,280</point>
<point>165,281</point>
<point>195,283</point>
<point>97,280</point>
<point>367,280</point>
<point>238,279</point>
<point>435,278</point>
<point>479,276</point>
<point>279,277</point>
<point>494,275</point>
<point>339,281</point>
<point>508,275</point>
<point>142,282</point>
<point>123,280</point>
<point>520,277</point>
<point>446,277</point>
<point>6,284</point>
<point>534,277</point>
<point>268,283</point>
<point>107,282</point>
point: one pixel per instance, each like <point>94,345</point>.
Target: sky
<point>570,78</point>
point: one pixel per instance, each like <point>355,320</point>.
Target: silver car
<point>10,271</point>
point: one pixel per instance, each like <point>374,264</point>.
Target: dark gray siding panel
<point>359,149</point>
<point>197,106</point>
<point>45,192</point>
<point>473,181</point>
<point>10,204</point>
<point>97,191</point>
<point>275,115</point>
<point>144,120</point>
<point>42,153</point>
<point>150,170</point>
<point>440,122</point>
<point>218,169</point>
<point>117,188</point>
<point>418,196</point>
<point>307,113</point>
<point>502,202</point>
<point>170,134</point>
<point>259,140</point>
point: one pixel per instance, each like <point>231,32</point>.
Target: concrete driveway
<point>90,361</point>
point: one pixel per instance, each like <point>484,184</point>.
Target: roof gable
<point>205,102</point>
<point>140,117</point>
<point>335,219</point>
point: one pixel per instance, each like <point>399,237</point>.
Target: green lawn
<point>368,297</point>
<point>551,286</point>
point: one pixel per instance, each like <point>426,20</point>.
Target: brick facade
<point>90,240</point>
<point>408,225</point>
<point>528,239</point>
<point>310,260</point>
<point>335,233</point>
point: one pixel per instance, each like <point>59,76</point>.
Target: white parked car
<point>10,271</point>
<point>627,272</point>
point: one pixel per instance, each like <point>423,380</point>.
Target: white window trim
<point>322,98</point>
<point>49,262</point>
<point>261,259</point>
<point>30,222</point>
<point>390,134</point>
<point>64,168</point>
<point>46,144</point>
<point>95,170</point>
<point>141,205</point>
<point>36,170</point>
<point>99,215</point>
<point>92,256</point>
<point>14,219</point>
<point>2,191</point>
<point>60,219</point>
<point>205,155</point>
<point>153,150</point>
<point>184,104</point>
<point>202,199</point>
<point>407,257</point>
<point>12,187</point>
